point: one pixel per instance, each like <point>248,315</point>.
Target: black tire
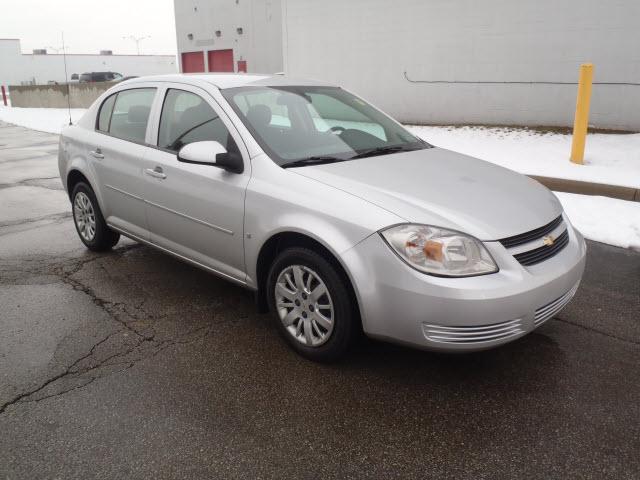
<point>104,238</point>
<point>345,317</point>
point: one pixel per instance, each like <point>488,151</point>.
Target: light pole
<point>137,40</point>
<point>58,49</point>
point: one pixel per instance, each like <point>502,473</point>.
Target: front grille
<point>527,237</point>
<point>540,254</point>
<point>538,245</point>
<point>547,311</point>
<point>473,335</point>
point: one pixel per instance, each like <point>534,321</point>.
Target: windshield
<point>323,124</point>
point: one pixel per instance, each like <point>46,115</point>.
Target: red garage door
<point>192,62</point>
<point>220,60</point>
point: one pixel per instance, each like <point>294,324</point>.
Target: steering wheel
<point>337,129</point>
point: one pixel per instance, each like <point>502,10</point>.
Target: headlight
<point>438,251</point>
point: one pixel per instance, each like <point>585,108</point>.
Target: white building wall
<point>16,67</point>
<point>368,45</point>
<point>10,62</point>
<point>260,43</point>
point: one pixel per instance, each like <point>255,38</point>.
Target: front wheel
<point>90,225</point>
<point>311,305</point>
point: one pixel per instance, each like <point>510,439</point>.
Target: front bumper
<point>400,304</point>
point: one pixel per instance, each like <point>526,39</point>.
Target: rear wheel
<point>90,225</point>
<point>310,303</point>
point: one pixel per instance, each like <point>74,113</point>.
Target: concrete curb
<point>589,188</point>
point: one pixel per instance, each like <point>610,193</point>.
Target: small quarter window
<point>105,113</point>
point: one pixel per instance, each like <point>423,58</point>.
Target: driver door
<point>196,211</point>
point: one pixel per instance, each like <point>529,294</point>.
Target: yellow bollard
<point>581,122</point>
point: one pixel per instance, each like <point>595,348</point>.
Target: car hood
<point>447,189</point>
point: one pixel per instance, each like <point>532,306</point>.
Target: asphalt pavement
<point>130,364</point>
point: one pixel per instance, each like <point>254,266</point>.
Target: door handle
<point>155,172</point>
<point>97,153</point>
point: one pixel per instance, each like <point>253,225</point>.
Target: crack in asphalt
<point>53,216</point>
<point>69,371</point>
<point>29,146</point>
<point>595,330</point>
<point>107,306</point>
<point>46,156</point>
<point>65,271</point>
<point>33,182</point>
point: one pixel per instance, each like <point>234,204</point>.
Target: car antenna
<point>66,79</point>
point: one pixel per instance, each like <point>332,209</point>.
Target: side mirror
<point>211,153</point>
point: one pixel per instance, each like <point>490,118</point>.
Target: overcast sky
<point>91,25</point>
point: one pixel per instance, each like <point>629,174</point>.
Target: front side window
<point>130,114</point>
<point>301,123</point>
<point>187,118</point>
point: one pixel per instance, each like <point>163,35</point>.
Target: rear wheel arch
<point>283,240</point>
<point>88,218</point>
<point>74,177</point>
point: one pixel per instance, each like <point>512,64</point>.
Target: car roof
<point>231,80</point>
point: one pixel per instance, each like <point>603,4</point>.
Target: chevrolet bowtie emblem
<point>548,240</point>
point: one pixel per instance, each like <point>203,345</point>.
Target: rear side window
<point>105,113</point>
<point>249,100</point>
<point>187,118</point>
<point>130,114</point>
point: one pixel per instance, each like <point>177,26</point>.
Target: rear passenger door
<point>117,154</point>
<point>196,211</point>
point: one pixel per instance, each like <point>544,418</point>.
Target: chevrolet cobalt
<point>337,217</point>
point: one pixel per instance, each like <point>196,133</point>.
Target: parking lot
<point>131,364</point>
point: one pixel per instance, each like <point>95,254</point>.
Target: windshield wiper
<point>372,152</point>
<point>317,160</point>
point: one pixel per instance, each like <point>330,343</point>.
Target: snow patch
<point>50,120</point>
<point>609,158</point>
<point>604,219</point>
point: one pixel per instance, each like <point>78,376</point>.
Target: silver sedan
<point>337,217</point>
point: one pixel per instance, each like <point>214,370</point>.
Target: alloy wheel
<point>84,216</point>
<point>304,305</point>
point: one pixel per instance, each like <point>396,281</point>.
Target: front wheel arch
<point>283,240</point>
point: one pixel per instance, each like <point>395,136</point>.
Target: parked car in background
<point>100,77</point>
<point>337,217</point>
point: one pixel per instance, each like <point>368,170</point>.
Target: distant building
<point>42,67</point>
<point>229,35</point>
<point>433,61</point>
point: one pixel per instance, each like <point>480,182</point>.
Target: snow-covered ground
<point>613,159</point>
<point>43,119</point>
<point>610,158</point>
<point>604,219</point>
